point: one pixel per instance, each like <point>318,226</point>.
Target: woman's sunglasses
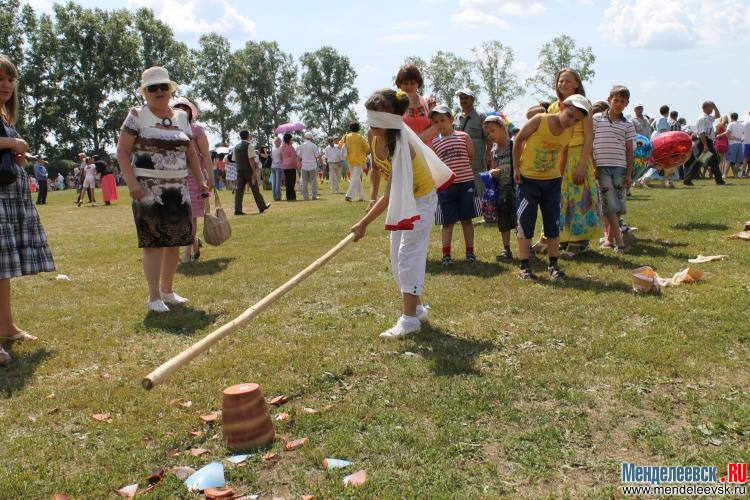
<point>159,86</point>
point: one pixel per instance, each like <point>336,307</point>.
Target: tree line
<point>79,73</point>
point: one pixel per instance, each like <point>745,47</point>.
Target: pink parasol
<point>289,127</point>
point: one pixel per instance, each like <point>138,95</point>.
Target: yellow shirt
<point>422,180</point>
<point>356,149</point>
<point>578,134</point>
<point>541,152</point>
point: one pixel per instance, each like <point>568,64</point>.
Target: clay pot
<point>246,422</point>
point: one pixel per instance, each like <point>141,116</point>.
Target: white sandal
<point>19,337</point>
<point>4,357</point>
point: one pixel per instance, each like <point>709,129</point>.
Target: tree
<point>158,47</point>
<point>327,88</point>
<point>447,74</point>
<point>559,53</point>
<point>265,83</point>
<point>349,117</point>
<point>493,63</point>
<point>11,31</point>
<point>213,83</point>
<point>97,59</point>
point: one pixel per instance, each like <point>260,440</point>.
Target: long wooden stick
<point>157,376</point>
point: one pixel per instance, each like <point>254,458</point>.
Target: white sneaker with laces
<point>423,312</point>
<point>404,326</point>
<point>173,298</point>
<point>157,305</point>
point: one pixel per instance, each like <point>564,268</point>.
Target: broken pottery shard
<point>210,476</point>
<point>173,452</point>
<point>128,491</point>
<point>182,472</point>
<point>155,475</point>
<point>100,417</point>
<point>60,496</point>
<point>237,459</point>
<point>196,452</point>
<point>281,416</point>
<point>278,400</point>
<point>700,259</point>
<point>219,492</point>
<point>211,417</point>
<point>293,445</point>
<point>269,456</point>
<point>356,479</point>
<point>311,411</point>
<point>335,463</point>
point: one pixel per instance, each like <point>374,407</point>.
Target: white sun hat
<point>154,76</point>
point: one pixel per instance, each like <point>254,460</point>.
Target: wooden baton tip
<point>147,384</point>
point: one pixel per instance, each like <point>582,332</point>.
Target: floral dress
<point>163,215</point>
<point>23,243</point>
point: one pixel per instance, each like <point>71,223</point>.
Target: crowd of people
<point>572,161</point>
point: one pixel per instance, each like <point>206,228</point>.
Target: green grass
<point>514,389</point>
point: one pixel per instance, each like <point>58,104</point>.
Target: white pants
<point>355,185</point>
<point>309,177</point>
<point>409,248</point>
<point>334,174</point>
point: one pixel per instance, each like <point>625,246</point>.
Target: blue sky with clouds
<point>675,52</point>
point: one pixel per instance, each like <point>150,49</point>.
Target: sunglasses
<point>159,86</point>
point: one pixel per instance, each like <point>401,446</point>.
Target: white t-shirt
<point>333,155</point>
<point>90,171</point>
<point>308,153</point>
<point>735,132</point>
<point>705,125</point>
<point>746,131</point>
<point>276,157</point>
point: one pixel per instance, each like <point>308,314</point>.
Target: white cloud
<point>476,19</point>
<point>369,68</point>
<point>184,17</point>
<point>507,7</point>
<point>410,25</point>
<point>659,86</point>
<point>674,24</point>
<point>402,37</point>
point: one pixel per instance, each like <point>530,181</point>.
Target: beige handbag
<point>216,228</point>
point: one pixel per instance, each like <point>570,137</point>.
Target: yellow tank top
<point>578,134</point>
<point>422,180</point>
<point>541,152</point>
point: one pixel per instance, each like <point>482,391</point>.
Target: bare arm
<point>378,208</point>
<point>628,163</point>
<point>586,151</point>
<point>528,128</point>
<point>206,166</point>
<point>195,168</point>
<point>18,146</point>
<point>124,150</point>
<point>470,148</point>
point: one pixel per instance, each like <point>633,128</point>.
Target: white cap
<point>308,135</point>
<point>466,91</point>
<point>638,105</point>
<point>580,102</point>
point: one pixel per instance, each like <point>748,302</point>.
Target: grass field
<point>514,389</point>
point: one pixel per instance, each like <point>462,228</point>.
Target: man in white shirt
<point>746,140</point>
<point>309,154</point>
<point>704,129</point>
<point>333,160</point>
<point>734,134</point>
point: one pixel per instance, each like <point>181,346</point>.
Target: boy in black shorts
<point>502,172</point>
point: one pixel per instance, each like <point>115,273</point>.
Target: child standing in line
<point>458,203</point>
<point>502,171</point>
<point>613,157</point>
<point>540,148</point>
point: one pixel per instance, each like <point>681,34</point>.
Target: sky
<point>674,52</point>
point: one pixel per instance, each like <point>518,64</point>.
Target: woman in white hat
<point>154,154</point>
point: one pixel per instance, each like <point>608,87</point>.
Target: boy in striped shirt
<point>613,159</point>
<point>459,202</point>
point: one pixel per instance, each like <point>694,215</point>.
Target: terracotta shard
<point>211,417</point>
<point>186,404</point>
<point>293,445</point>
<point>183,472</point>
<point>278,400</point>
<point>60,496</point>
<point>100,417</point>
<point>173,452</point>
<point>156,475</point>
<point>196,433</point>
<point>219,492</point>
<point>196,452</point>
<point>128,491</point>
<point>311,411</point>
<point>269,456</point>
<point>356,479</point>
<point>306,497</point>
<point>283,417</point>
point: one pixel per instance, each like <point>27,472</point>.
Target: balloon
<point>671,149</point>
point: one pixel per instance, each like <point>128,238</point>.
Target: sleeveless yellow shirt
<point>541,152</point>
<point>423,183</point>
<point>578,134</point>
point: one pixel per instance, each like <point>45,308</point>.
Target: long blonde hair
<point>10,107</point>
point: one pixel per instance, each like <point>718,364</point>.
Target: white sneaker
<point>423,312</point>
<point>173,298</point>
<point>404,326</point>
<point>157,305</point>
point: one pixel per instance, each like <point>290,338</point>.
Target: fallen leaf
<point>60,496</point>
<point>278,400</point>
<point>328,407</point>
<point>196,452</point>
<point>100,417</point>
<point>182,472</point>
<point>196,433</point>
<point>311,411</point>
<point>186,404</point>
<point>53,410</point>
<point>128,491</point>
<point>219,492</point>
<point>269,456</point>
<point>306,497</point>
<point>293,445</point>
<point>211,417</point>
<point>281,416</point>
<point>356,479</point>
<point>155,475</point>
<point>173,452</point>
